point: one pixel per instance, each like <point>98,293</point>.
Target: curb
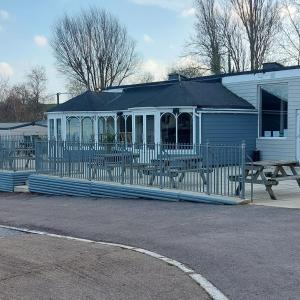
<point>210,289</point>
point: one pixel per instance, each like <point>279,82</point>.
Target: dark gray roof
<point>184,93</point>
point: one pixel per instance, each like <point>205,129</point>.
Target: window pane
<point>139,129</point>
<point>129,129</point>
<point>273,112</point>
<point>73,129</point>
<point>110,126</point>
<point>101,129</point>
<point>87,130</point>
<point>168,129</point>
<point>150,130</point>
<point>58,129</point>
<point>51,128</point>
<point>121,128</point>
<point>185,129</point>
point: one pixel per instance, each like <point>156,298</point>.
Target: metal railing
<point>208,168</point>
<point>17,153</point>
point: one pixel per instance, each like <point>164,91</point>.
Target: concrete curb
<point>212,291</point>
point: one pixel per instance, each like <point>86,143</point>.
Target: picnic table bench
<point>269,173</point>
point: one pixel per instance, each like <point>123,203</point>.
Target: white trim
<point>273,138</point>
<point>212,291</point>
<point>252,111</point>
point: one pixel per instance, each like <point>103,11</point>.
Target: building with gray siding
<point>259,108</point>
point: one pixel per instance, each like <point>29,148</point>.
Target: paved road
<point>43,267</point>
<point>248,252</point>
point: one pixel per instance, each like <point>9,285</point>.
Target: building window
<point>150,129</point>
<point>101,129</point>
<point>73,129</point>
<point>185,128</point>
<point>129,130</point>
<point>168,128</point>
<point>274,110</point>
<point>110,126</point>
<point>139,129</point>
<point>87,130</point>
<point>51,129</point>
<point>121,129</point>
<point>58,129</point>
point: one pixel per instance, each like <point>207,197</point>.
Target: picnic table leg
<point>295,173</point>
<point>181,177</point>
<point>152,178</point>
<point>270,191</point>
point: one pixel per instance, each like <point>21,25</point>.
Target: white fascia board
<point>268,76</point>
<point>228,111</point>
<point>161,108</point>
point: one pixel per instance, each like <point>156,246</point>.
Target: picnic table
<point>175,166</point>
<point>270,173</point>
<point>109,161</point>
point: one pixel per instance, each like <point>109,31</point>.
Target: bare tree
<point>208,40</point>
<point>290,32</point>
<point>93,49</point>
<point>234,43</point>
<point>188,71</point>
<point>260,19</point>
<point>36,86</point>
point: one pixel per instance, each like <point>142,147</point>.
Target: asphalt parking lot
<point>43,267</point>
<point>248,252</point>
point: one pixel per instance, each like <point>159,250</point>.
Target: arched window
<point>101,129</point>
<point>121,128</point>
<point>73,129</point>
<point>168,128</point>
<point>87,130</point>
<point>185,128</point>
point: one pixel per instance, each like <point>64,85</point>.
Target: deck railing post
<point>243,165</point>
<point>208,187</point>
<point>160,166</point>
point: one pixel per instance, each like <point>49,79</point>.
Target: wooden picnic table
<point>270,173</point>
<point>109,161</point>
<point>175,165</point>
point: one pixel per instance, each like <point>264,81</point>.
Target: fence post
<point>208,187</point>
<point>243,163</point>
<point>160,166</point>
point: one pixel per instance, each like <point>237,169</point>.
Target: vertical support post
<point>208,187</point>
<point>243,164</point>
<point>160,166</point>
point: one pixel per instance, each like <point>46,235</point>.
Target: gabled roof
<point>202,94</point>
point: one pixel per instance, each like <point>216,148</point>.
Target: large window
<point>51,128</point>
<point>185,129</point>
<point>274,110</point>
<point>73,129</point>
<point>139,129</point>
<point>87,130</point>
<point>110,126</point>
<point>129,129</point>
<point>168,128</point>
<point>121,129</point>
<point>58,129</point>
<point>101,129</point>
<point>150,129</point>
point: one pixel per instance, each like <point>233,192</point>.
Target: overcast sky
<point>160,28</point>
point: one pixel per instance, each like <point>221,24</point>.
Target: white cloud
<point>40,40</point>
<point>188,12</point>
<point>6,71</point>
<point>4,15</point>
<point>156,68</point>
<point>148,39</point>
